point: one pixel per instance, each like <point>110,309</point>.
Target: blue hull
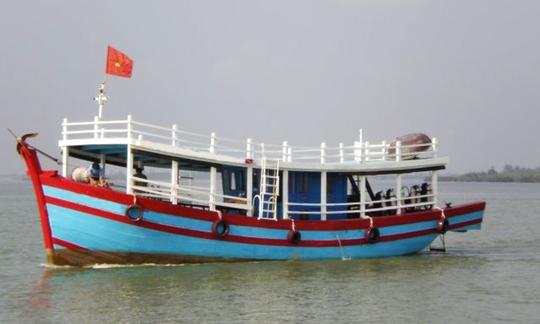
<point>76,227</point>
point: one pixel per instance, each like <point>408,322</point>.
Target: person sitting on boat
<point>139,174</point>
<point>95,175</point>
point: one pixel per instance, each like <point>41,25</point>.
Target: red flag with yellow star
<point>118,63</point>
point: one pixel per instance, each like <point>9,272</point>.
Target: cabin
<point>254,179</point>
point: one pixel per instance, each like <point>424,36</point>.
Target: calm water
<point>487,276</point>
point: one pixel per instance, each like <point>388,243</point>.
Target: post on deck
<point>399,199</point>
<point>434,174</point>
<point>435,186</point>
<point>362,196</point>
<point>284,152</point>
<point>249,189</point>
<point>174,169</point>
<point>212,143</point>
<point>174,182</point>
<point>323,153</point>
<point>249,149</point>
<point>129,157</point>
<point>65,148</point>
<point>285,192</point>
<point>289,154</point>
<point>366,151</point>
<point>212,195</point>
<point>398,194</point>
<point>129,170</point>
<point>323,195</point>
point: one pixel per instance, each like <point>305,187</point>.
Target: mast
<point>101,99</point>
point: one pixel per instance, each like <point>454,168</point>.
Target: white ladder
<point>269,189</point>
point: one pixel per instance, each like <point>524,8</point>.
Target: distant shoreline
<point>507,174</point>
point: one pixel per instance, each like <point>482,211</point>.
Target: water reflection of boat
<point>262,202</point>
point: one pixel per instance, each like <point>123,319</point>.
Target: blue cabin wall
<point>304,187</point>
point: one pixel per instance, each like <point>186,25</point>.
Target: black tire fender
<point>220,228</point>
<point>294,236</point>
<point>372,235</point>
<point>134,212</point>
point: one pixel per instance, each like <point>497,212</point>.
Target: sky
<point>466,72</point>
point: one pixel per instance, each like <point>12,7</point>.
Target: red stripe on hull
<point>67,244</point>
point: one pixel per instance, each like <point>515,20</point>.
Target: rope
<point>442,212</point>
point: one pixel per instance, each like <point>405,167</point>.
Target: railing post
<point>96,129</point>
<point>212,143</point>
<point>65,148</point>
<point>323,153</point>
<point>434,146</point>
<point>357,151</point>
<point>398,194</point>
<point>341,156</point>
<point>398,179</point>
<point>263,154</point>
<point>212,198</point>
<point>366,151</point>
<point>174,182</point>
<point>249,186</point>
<point>323,195</point>
<point>289,154</point>
<point>284,152</point>
<point>129,169</point>
<point>362,196</point>
<point>174,169</point>
<point>285,193</point>
<point>435,186</point>
<point>383,151</point>
<point>249,149</point>
<point>174,139</point>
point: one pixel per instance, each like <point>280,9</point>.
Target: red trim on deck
<point>177,210</point>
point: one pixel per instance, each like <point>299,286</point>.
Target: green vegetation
<point>508,174</point>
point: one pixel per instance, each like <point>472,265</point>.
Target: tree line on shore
<point>509,173</point>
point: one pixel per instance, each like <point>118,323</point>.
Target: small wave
<point>112,266</point>
<point>54,266</point>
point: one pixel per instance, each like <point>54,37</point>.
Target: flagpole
<point>101,98</point>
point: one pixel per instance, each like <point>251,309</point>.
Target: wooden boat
<point>257,201</point>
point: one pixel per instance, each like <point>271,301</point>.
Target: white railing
<point>193,195</point>
<point>185,194</point>
<point>360,151</point>
<point>391,204</point>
